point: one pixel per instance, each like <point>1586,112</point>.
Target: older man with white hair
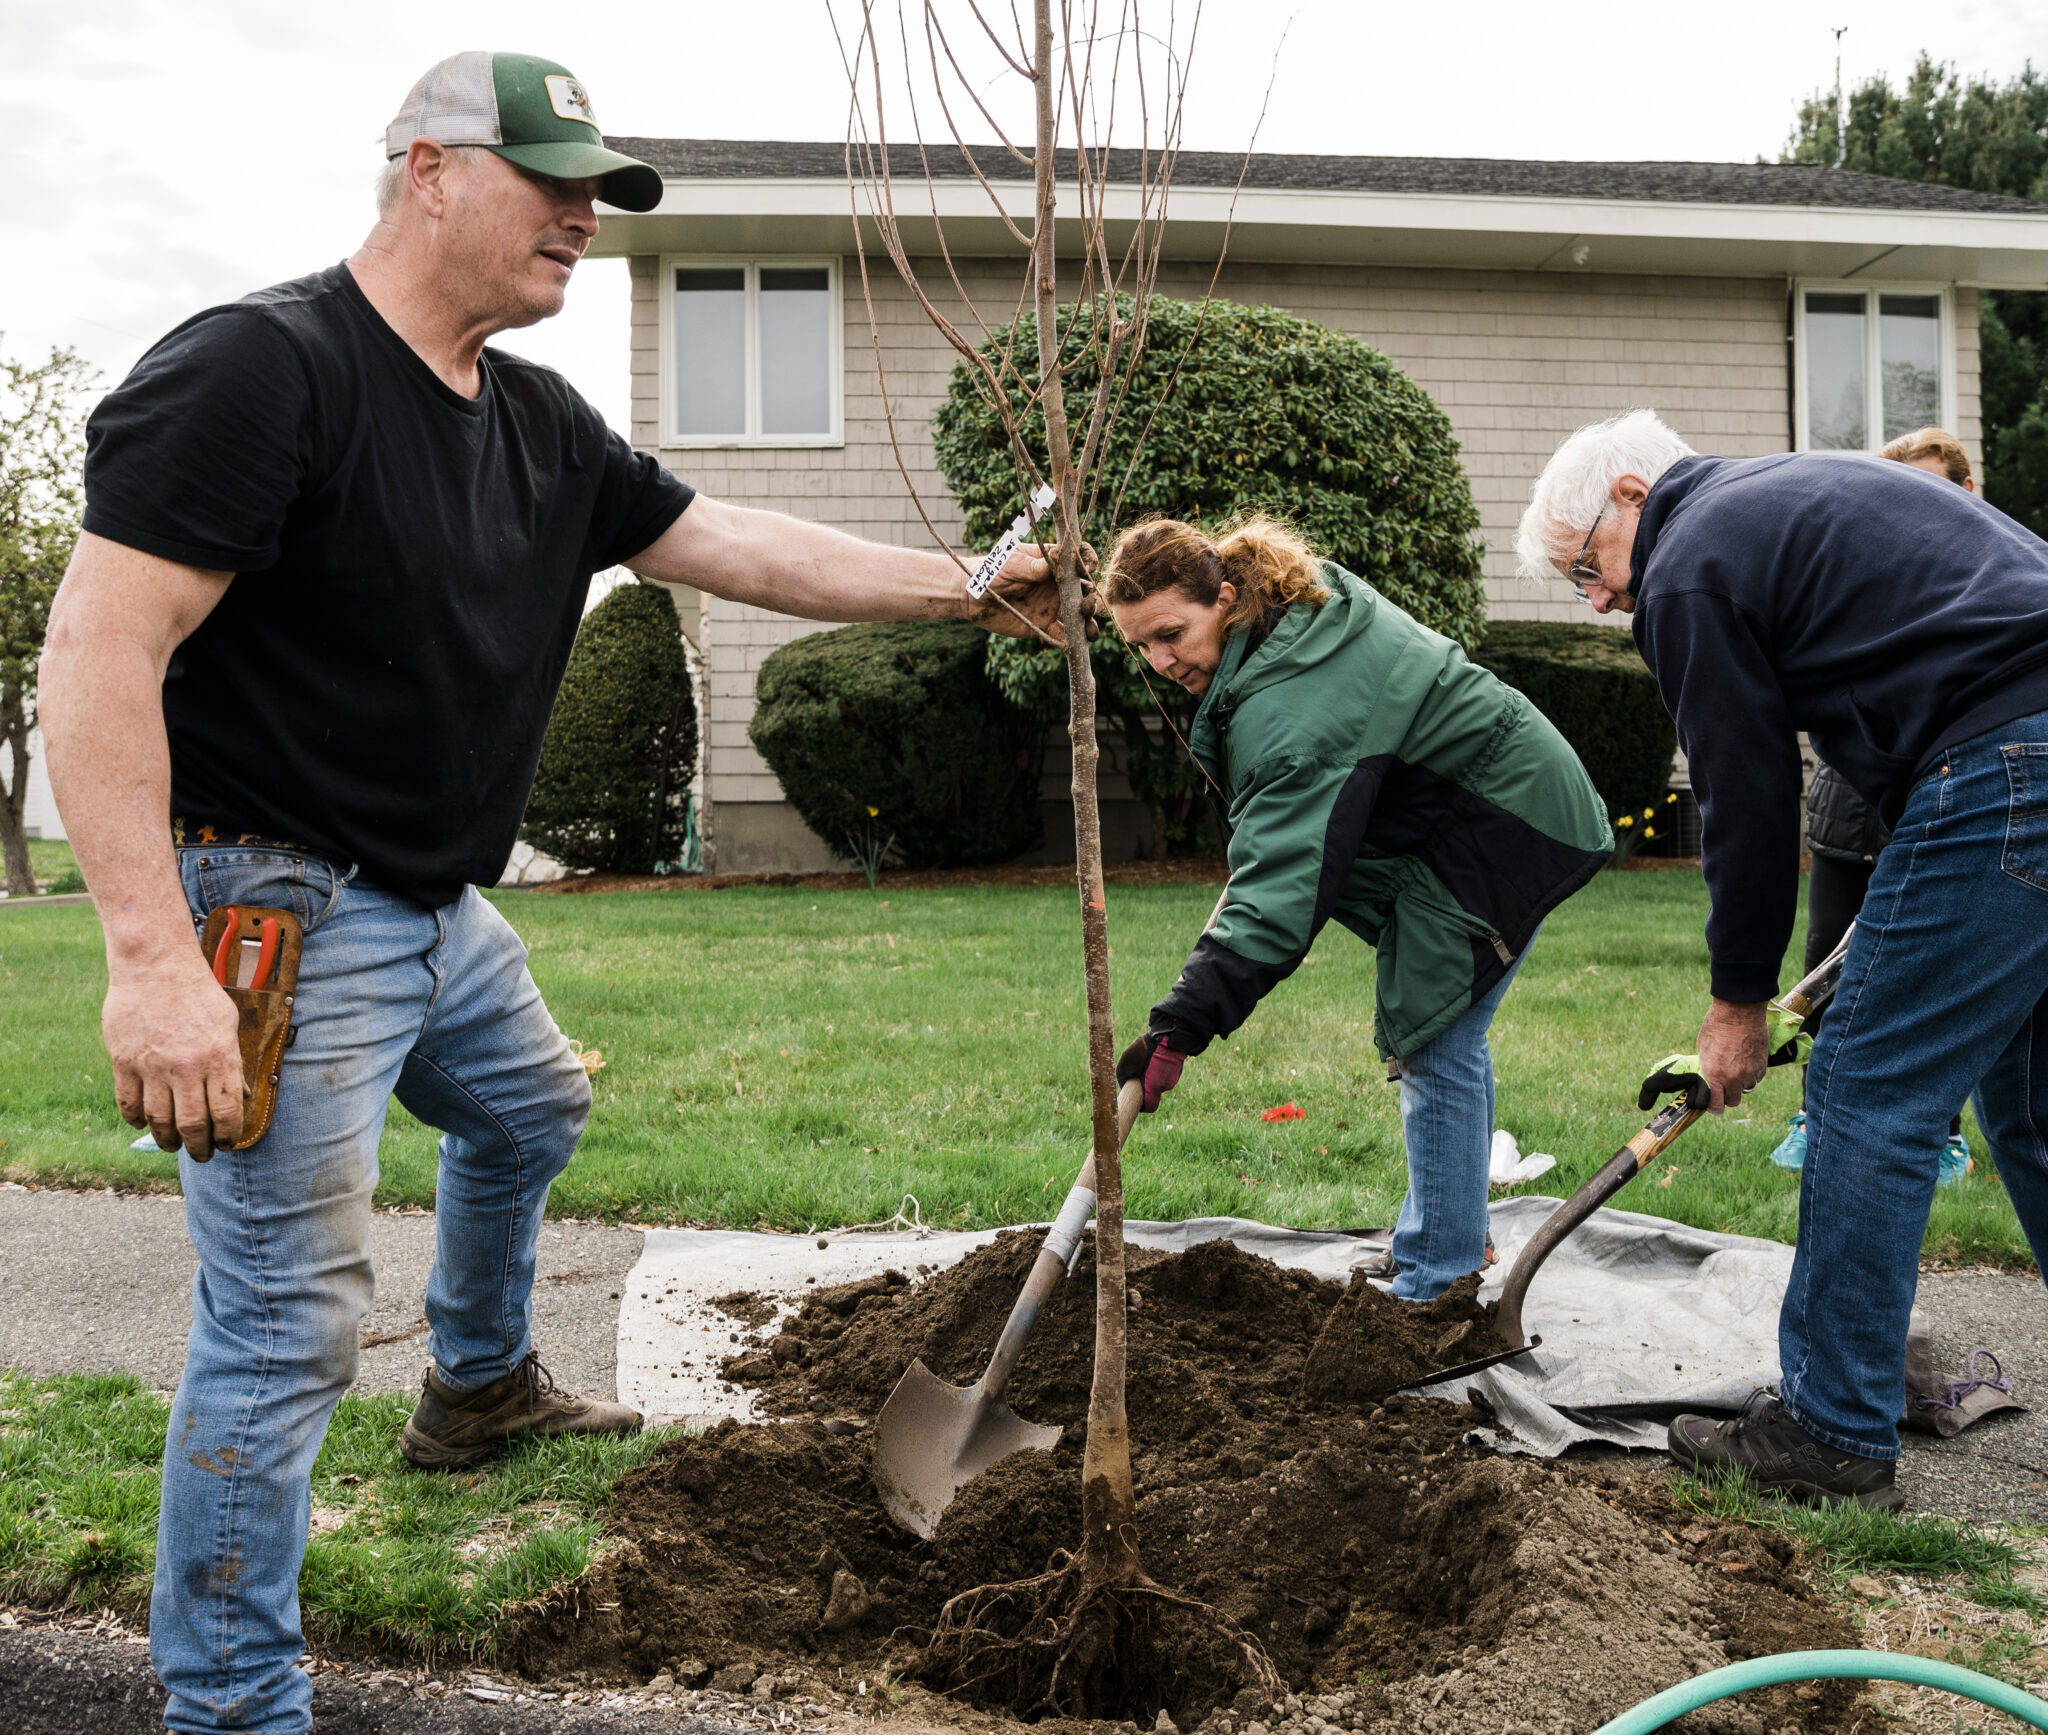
<point>1904,626</point>
<point>335,554</point>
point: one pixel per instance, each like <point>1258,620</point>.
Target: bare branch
<point>933,26</point>
<point>1019,63</point>
<point>1215,276</point>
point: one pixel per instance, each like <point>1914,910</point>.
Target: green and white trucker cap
<point>531,112</point>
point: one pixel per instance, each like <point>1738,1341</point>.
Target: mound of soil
<point>1401,1579</point>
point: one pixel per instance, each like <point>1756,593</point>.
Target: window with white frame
<point>750,352</point>
<point>1874,363</point>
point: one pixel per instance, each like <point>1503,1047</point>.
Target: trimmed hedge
<point>903,718</point>
<point>1593,685</point>
<point>613,786</point>
<point>1239,408</point>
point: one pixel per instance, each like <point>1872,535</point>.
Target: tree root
<point>1056,1645</point>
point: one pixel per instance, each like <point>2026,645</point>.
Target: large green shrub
<point>1231,409</point>
<point>902,719</point>
<point>612,792</point>
<point>1591,683</point>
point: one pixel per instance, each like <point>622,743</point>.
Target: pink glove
<point>1151,1060</point>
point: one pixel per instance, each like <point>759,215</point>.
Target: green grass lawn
<point>788,1057</point>
<point>421,1562</point>
<point>55,867</point>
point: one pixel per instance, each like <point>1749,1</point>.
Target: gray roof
<point>1681,183</point>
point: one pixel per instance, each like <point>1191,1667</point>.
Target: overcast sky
<point>161,157</point>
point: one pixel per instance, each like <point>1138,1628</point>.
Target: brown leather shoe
<point>449,1430</point>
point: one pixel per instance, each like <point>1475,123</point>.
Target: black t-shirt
<point>412,566</point>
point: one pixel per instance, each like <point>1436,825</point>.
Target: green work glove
<point>1674,1073</point>
<point>1785,1036</point>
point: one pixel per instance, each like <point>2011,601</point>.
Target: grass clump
<point>1845,1539</point>
<point>78,1489</point>
<point>400,1559</point>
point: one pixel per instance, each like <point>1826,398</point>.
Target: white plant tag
<point>998,557</point>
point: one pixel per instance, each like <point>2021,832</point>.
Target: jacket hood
<point>1303,638</point>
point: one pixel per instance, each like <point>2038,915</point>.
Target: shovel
<point>1787,1023</point>
<point>932,1439</point>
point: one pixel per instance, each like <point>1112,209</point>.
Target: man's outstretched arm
<point>782,563</point>
<point>169,1029</point>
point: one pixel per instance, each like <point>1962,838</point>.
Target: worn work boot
<point>449,1429</point>
<point>1777,1454</point>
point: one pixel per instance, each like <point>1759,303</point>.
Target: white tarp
<point>1639,1317</point>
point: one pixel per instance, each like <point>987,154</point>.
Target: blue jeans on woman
<point>435,1007</point>
<point>1447,1124</point>
<point>1942,989</point>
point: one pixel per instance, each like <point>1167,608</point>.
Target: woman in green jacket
<point>1367,772</point>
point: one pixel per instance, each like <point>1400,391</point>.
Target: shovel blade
<point>932,1439</point>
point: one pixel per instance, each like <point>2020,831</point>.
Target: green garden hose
<point>1674,1702</point>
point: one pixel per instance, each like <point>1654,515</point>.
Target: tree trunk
<point>1109,1536</point>
<point>21,883</point>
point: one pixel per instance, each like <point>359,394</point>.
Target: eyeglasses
<point>1579,572</point>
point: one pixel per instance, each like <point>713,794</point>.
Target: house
<point>1761,307</point>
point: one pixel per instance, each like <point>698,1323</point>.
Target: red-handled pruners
<point>250,961</point>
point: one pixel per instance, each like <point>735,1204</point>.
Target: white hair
<point>390,183</point>
<point>391,177</point>
<point>1578,483</point>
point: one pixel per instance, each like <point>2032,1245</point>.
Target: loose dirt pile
<point>1400,1579</point>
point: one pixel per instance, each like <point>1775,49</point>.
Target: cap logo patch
<point>569,99</point>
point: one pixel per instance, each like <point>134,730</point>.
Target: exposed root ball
<point>1052,1645</point>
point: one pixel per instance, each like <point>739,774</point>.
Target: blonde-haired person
<point>1844,834</point>
<point>1365,771</point>
<point>1936,451</point>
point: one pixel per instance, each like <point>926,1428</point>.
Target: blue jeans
<point>1942,989</point>
<point>1447,1124</point>
<point>435,1007</point>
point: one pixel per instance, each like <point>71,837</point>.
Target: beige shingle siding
<point>1517,359</point>
<point>1969,426</point>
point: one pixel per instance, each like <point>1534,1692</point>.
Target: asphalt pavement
<point>102,1283</point>
<point>63,1676</point>
<point>1997,1471</point>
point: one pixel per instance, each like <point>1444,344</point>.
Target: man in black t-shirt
<point>335,554</point>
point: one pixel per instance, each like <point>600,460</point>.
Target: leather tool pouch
<point>263,991</point>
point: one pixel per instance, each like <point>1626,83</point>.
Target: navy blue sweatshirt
<point>1881,609</point>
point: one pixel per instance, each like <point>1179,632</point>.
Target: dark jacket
<point>1883,610</point>
<point>1839,822</point>
<point>1371,774</point>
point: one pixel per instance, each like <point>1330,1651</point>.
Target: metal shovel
<point>932,1439</point>
<point>1789,1016</point>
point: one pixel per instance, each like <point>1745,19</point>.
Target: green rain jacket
<point>1368,772</point>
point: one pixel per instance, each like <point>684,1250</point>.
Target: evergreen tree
<point>1989,138</point>
<point>612,790</point>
